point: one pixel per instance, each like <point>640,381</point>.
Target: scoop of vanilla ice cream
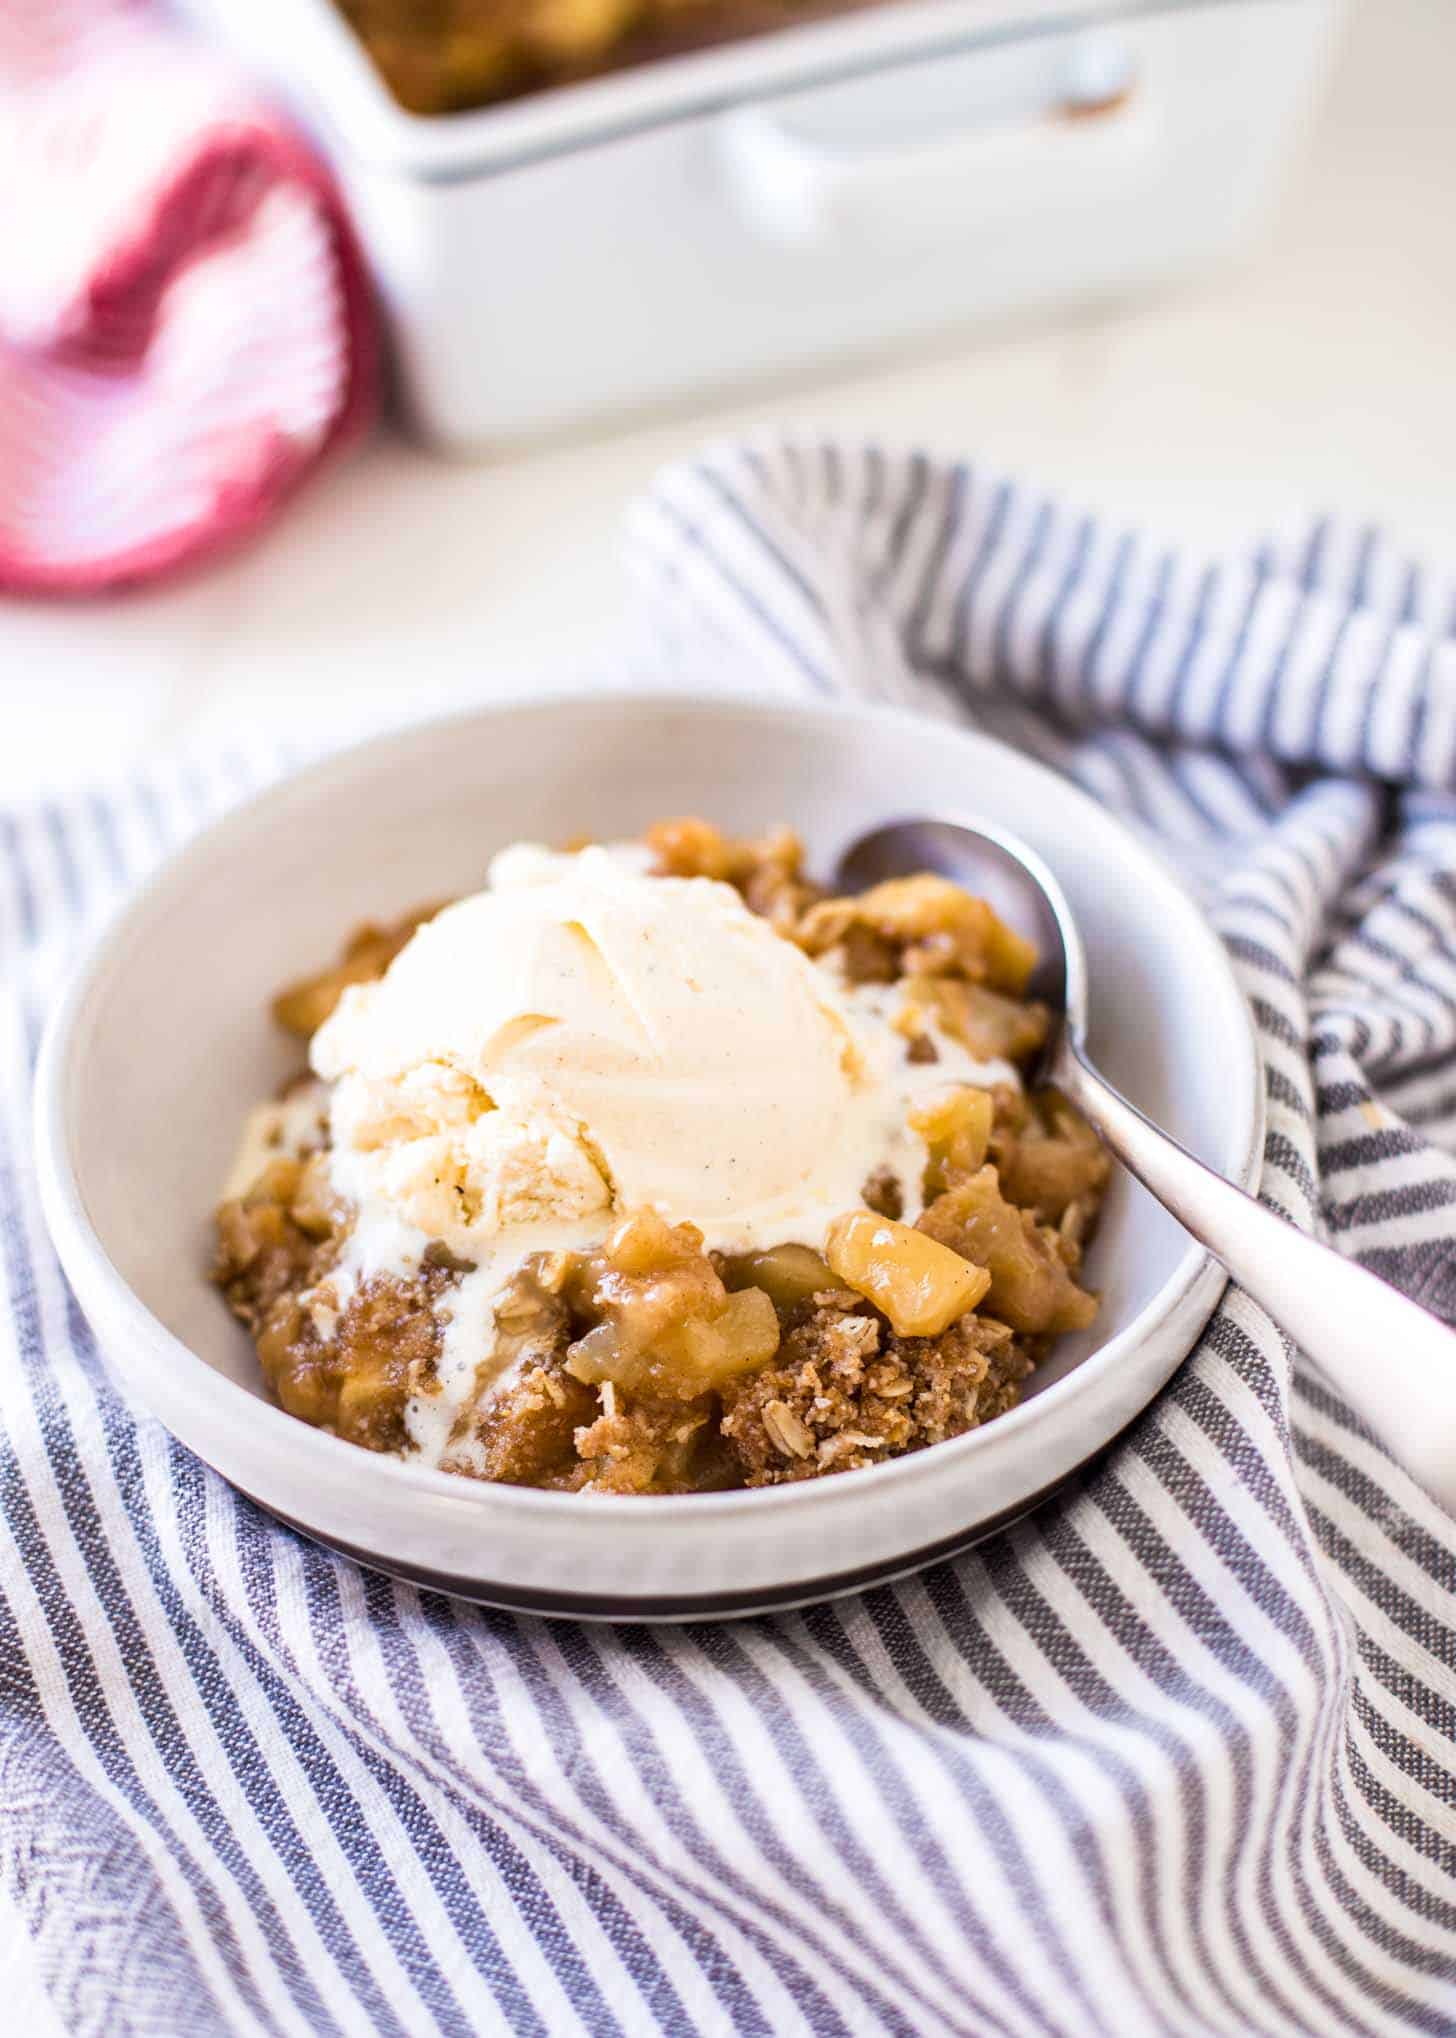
<point>584,1038</point>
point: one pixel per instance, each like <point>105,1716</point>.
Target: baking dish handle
<point>1092,140</point>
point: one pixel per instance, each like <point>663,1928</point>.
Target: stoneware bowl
<point>163,1041</point>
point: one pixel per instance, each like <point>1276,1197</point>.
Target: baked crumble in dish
<point>655,1168</point>
<point>444,56</point>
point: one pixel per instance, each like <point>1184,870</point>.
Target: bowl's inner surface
<point>173,1042</point>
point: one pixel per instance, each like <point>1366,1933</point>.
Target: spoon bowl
<point>1010,876</point>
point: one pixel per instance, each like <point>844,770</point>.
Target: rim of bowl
<point>79,1244</point>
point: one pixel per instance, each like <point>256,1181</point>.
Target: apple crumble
<point>444,56</point>
<point>654,1168</point>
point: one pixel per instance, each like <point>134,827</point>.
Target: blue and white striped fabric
<point>1178,1755</point>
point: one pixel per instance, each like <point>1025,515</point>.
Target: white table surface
<point>1318,373</point>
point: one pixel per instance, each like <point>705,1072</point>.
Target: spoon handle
<point>1390,1359</point>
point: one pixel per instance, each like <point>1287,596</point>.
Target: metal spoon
<point>1388,1357</point>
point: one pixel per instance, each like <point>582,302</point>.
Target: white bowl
<point>162,1042</point>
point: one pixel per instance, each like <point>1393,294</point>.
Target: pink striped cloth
<point>185,327</point>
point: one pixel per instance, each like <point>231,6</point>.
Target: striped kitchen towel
<point>1176,1755</point>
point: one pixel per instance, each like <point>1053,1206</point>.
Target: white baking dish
<point>822,191</point>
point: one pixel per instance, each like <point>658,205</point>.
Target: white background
<point>1320,373</point>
